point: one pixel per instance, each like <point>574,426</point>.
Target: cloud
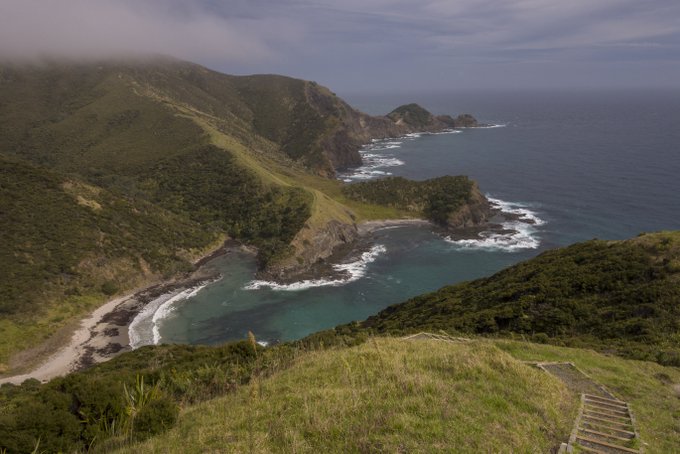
<point>95,28</point>
<point>378,43</point>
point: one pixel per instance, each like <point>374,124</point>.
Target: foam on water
<point>376,160</point>
<point>145,327</point>
<point>501,125</point>
<point>517,234</point>
<point>353,271</point>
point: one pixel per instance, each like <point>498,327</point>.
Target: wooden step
<point>602,426</point>
<point>605,404</point>
<point>588,449</point>
<point>602,434</point>
<point>608,415</point>
<point>614,401</point>
<point>613,412</point>
<point>616,423</point>
<point>605,444</point>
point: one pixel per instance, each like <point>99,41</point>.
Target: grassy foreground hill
<point>384,394</point>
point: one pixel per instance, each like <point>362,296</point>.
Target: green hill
<point>385,394</point>
<point>67,246</point>
<point>616,296</point>
<point>446,201</point>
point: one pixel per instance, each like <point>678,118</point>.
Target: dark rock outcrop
<point>313,245</point>
<point>465,121</point>
<point>475,213</point>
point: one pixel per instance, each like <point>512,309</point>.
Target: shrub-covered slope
<point>621,296</point>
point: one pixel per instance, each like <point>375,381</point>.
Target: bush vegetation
<point>133,396</point>
<point>436,199</point>
<point>211,188</point>
<point>59,235</point>
<point>617,296</point>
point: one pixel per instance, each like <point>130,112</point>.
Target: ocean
<point>580,165</point>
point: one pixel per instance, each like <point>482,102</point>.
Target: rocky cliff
<point>476,212</point>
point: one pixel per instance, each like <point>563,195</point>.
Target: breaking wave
<point>145,327</point>
<point>516,234</point>
<point>353,271</point>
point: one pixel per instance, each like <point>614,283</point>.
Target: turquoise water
<point>584,165</point>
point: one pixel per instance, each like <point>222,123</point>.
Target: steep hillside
<point>111,117</point>
<point>617,296</point>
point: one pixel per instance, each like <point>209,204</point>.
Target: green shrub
<point>109,288</point>
<point>435,199</point>
<point>157,416</point>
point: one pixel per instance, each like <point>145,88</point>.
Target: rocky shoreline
<point>104,333</point>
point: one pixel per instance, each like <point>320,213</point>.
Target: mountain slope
<point>620,296</point>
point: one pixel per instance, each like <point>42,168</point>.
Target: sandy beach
<point>370,226</point>
<point>104,333</point>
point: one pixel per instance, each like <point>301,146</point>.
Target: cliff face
<point>312,245</point>
<point>476,212</point>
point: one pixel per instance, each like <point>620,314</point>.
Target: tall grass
<point>386,395</point>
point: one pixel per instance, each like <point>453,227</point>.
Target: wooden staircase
<point>604,426</point>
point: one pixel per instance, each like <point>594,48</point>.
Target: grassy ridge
<point>385,395</point>
<point>620,296</point>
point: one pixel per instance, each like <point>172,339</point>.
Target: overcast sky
<point>372,45</point>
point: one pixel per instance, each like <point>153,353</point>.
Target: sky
<point>355,46</point>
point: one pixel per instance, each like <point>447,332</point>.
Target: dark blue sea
<point>577,165</point>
